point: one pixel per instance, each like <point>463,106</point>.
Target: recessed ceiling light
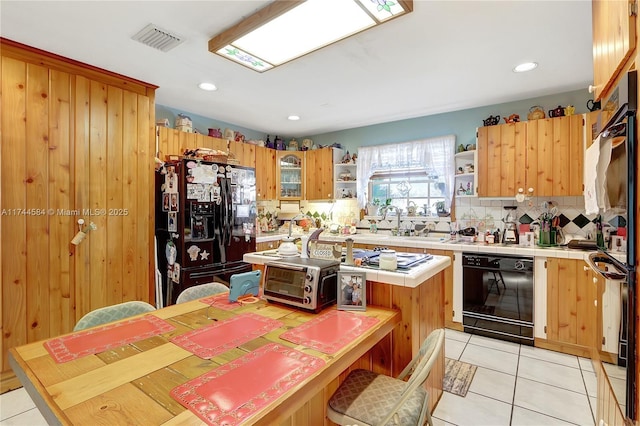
<point>210,87</point>
<point>294,117</point>
<point>524,67</point>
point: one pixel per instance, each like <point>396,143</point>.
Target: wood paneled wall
<point>77,143</point>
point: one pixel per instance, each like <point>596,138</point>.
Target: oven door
<point>286,284</point>
<point>498,297</point>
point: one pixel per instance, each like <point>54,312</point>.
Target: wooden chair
<point>368,398</point>
<point>202,290</point>
<point>112,313</point>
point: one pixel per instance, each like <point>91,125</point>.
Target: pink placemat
<point>100,339</point>
<point>233,392</point>
<point>221,301</point>
<point>330,332</point>
<point>221,336</point>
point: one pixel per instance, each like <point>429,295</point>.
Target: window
<point>422,171</point>
<point>403,187</point>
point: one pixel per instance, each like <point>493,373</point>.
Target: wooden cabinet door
<point>290,175</point>
<point>319,174</point>
<point>572,314</point>
<point>175,142</point>
<point>265,173</point>
<point>555,156</point>
<point>614,42</point>
<point>501,159</point>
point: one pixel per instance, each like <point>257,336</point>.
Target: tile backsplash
<point>489,214</point>
<point>483,214</point>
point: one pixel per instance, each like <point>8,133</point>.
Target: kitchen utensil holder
<point>547,238</point>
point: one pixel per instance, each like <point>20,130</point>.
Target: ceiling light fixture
<point>287,29</point>
<point>526,66</point>
<point>294,117</point>
<point>209,87</point>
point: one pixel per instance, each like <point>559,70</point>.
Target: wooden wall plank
<point>146,196</point>
<point>37,147</point>
<point>5,384</point>
<point>81,184</point>
<point>507,160</point>
<point>576,154</point>
<point>62,224</point>
<point>561,162</point>
<point>129,193</point>
<point>552,299</point>
<point>65,136</point>
<point>545,147</point>
<point>12,185</point>
<point>97,193</point>
<point>116,162</point>
<point>493,161</point>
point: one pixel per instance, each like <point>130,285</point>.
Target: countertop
<point>412,277</point>
<point>439,243</point>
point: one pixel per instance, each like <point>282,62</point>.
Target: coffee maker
<point>510,234</point>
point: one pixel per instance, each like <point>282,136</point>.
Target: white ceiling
<point>445,56</point>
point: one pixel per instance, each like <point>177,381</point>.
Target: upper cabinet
<point>614,41</point>
<point>175,142</point>
<point>319,173</point>
<point>290,175</point>
<point>265,173</point>
<point>545,155</point>
<point>501,159</point>
<point>555,156</point>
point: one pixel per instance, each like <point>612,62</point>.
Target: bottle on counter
<point>388,260</point>
<point>348,260</point>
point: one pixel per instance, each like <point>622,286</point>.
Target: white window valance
<point>435,155</point>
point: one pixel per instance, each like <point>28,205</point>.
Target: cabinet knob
<point>595,303</point>
<point>592,88</point>
<point>595,280</point>
<point>585,268</point>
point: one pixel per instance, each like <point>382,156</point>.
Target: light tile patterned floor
<point>513,385</point>
<point>518,385</point>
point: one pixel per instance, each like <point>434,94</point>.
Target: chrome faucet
<point>299,216</point>
<point>398,213</point>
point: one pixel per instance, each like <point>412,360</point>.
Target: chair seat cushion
<point>368,397</point>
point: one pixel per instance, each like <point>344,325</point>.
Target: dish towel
<point>597,158</point>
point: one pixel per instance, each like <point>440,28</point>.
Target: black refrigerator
<point>624,101</point>
<point>205,223</point>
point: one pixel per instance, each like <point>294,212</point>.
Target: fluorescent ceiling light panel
<point>313,24</point>
<point>383,9</point>
<point>287,29</point>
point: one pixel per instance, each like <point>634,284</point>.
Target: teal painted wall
<point>461,123</point>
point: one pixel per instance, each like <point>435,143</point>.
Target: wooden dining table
<point>132,383</point>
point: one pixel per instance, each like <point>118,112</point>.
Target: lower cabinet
<point>573,297</point>
<point>267,245</point>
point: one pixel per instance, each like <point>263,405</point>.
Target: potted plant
<point>441,210</point>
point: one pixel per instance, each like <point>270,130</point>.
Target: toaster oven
<point>308,284</point>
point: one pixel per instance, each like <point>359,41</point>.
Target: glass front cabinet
<point>290,175</point>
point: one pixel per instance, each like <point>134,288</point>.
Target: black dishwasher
<point>497,294</point>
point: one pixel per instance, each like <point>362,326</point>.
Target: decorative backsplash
<point>482,214</point>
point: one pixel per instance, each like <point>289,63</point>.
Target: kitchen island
<point>418,294</point>
<point>131,383</point>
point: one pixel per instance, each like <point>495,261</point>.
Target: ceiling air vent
<point>156,37</point>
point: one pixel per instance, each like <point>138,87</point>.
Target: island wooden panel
<point>422,312</point>
<point>77,142</point>
<point>132,383</point>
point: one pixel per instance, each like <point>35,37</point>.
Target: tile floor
<point>513,385</point>
<point>518,385</point>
